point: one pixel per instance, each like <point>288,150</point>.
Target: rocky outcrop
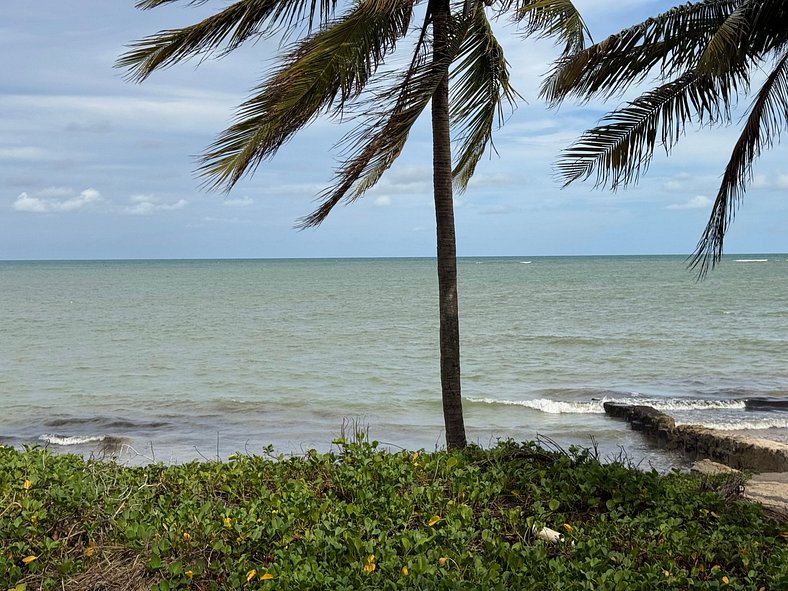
<point>736,451</point>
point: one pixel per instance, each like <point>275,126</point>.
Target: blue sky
<point>93,166</point>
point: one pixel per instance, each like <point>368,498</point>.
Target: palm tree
<point>457,66</point>
<point>704,55</point>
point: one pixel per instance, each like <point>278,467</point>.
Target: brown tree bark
<point>447,250</point>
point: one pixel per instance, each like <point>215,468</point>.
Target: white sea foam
<point>751,260</point>
<point>737,425</point>
<point>550,406</point>
<point>70,439</point>
<point>679,405</point>
<point>597,406</point>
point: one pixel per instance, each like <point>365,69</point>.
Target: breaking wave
<point>549,406</point>
<point>70,439</point>
<point>766,423</point>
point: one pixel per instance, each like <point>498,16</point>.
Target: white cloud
<point>148,205</point>
<point>678,183</point>
<point>697,202</point>
<point>779,183</point>
<point>56,199</point>
<point>383,201</point>
<point>56,193</point>
<point>152,107</point>
<point>244,201</point>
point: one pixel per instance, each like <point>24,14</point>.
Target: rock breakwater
<point>737,451</point>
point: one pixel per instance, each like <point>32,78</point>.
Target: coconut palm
<point>337,62</point>
<point>704,55</point>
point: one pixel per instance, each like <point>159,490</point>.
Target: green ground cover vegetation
<point>363,517</point>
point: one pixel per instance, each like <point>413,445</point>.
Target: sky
<point>93,166</point>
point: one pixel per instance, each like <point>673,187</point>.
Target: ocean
<point>177,360</point>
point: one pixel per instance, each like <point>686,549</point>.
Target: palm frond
<point>229,28</point>
<point>148,4</point>
<point>725,44</point>
<point>671,42</point>
<point>553,18</point>
<point>322,73</point>
<point>375,145</point>
<point>480,87</point>
<point>767,118</point>
<point>621,148</point>
<point>768,32</point>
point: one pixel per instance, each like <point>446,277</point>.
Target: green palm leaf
<point>767,118</point>
<point>376,144</point>
<point>553,18</point>
<point>480,86</point>
<point>704,54</point>
<point>620,149</point>
<point>671,42</point>
<point>231,27</point>
<point>322,73</point>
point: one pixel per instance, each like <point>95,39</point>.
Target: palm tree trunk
<point>447,250</point>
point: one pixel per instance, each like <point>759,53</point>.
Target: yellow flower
<point>251,575</point>
<point>189,574</point>
<point>266,577</point>
<point>433,520</point>
<point>26,485</point>
<point>228,522</point>
<point>369,564</point>
<point>29,559</point>
<point>405,571</point>
<point>666,573</point>
<point>568,527</point>
<point>91,549</point>
<point>443,560</point>
<point>726,580</point>
<point>186,536</point>
<point>414,456</point>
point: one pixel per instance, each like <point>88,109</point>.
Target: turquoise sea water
<point>191,359</point>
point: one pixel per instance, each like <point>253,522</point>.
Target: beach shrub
<point>363,517</point>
